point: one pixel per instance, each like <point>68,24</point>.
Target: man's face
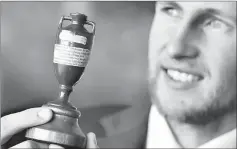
<point>192,60</point>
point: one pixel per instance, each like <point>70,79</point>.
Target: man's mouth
<point>182,76</point>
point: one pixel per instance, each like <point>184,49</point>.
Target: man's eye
<point>171,11</point>
<point>215,24</point>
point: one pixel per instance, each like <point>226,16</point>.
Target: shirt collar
<point>159,134</point>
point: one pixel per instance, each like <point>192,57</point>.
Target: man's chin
<point>170,113</point>
<point>194,116</point>
<point>183,112</point>
<point>177,115</point>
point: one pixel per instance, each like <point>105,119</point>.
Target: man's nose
<point>182,44</point>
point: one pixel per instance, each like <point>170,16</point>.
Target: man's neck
<point>192,136</point>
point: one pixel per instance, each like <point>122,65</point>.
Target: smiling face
<point>192,60</point>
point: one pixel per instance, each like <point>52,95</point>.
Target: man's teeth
<point>181,76</point>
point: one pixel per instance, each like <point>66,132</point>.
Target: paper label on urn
<point>72,56</point>
<point>68,36</point>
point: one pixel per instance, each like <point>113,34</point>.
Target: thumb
<point>14,123</point>
<point>54,146</point>
<point>91,141</point>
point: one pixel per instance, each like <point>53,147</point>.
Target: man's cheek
<point>222,74</point>
<point>152,67</point>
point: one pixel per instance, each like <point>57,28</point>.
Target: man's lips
<point>183,74</point>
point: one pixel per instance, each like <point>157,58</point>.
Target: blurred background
<point>116,73</point>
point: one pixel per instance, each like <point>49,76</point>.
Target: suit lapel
<point>126,129</point>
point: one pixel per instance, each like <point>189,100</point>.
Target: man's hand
<point>14,123</point>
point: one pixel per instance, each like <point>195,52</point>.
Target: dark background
<point>115,74</point>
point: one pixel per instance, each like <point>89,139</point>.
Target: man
<point>192,57</point>
<point>192,76</point>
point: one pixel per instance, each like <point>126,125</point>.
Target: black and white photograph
<point>118,74</point>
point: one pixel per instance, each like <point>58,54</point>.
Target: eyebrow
<point>172,3</point>
<point>219,13</point>
<point>204,10</point>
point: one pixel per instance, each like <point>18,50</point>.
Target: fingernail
<point>45,113</point>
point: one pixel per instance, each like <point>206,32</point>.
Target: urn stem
<point>64,93</point>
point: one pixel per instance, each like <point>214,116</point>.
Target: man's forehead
<point>227,8</point>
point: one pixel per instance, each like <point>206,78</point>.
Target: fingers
<point>34,145</point>
<point>14,123</point>
<point>91,141</point>
<point>25,144</point>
